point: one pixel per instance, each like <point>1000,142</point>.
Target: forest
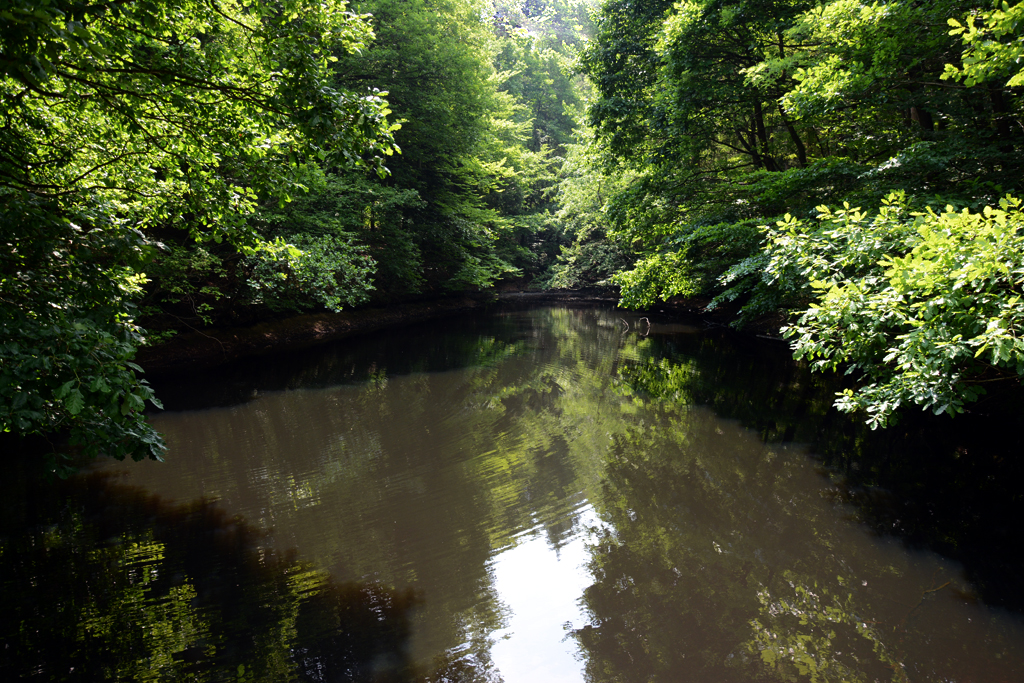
<point>168,166</point>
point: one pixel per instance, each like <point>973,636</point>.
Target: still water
<point>545,495</point>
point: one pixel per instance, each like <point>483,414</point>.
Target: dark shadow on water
<point>433,346</point>
<point>951,485</point>
<point>101,581</point>
<point>947,484</point>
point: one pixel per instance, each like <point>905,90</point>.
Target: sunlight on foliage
<point>922,308</point>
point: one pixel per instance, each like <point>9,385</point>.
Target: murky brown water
<point>541,496</point>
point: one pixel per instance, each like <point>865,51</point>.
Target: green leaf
<point>74,402</point>
<point>63,390</point>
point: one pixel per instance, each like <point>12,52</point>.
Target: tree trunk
<point>751,147</point>
<point>923,118</point>
<point>1001,118</point>
<point>801,151</point>
<point>762,137</point>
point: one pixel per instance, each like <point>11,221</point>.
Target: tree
<point>435,61</point>
<point>738,114</point>
<point>733,114</point>
<point>921,309</point>
<point>675,105</point>
<point>584,189</point>
<point>993,48</point>
<point>123,121</point>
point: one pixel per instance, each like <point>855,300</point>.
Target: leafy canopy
<point>923,308</point>
<point>127,119</point>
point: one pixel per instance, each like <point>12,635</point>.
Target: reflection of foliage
<point>784,403</point>
<point>716,550</point>
<point>116,585</point>
<point>666,597</point>
<point>662,379</point>
<point>814,633</point>
<point>708,537</point>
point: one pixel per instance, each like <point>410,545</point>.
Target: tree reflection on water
<point>114,584</point>
<point>715,548</point>
<point>722,557</point>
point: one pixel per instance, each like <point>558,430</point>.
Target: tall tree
<point>121,119</point>
<point>434,60</point>
<point>737,114</point>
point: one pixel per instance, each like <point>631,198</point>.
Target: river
<point>554,494</point>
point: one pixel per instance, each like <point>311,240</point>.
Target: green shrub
<point>326,270</point>
<point>924,308</point>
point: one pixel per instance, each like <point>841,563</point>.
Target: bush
<point>922,307</point>
<point>328,270</point>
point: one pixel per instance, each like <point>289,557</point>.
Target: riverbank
<point>210,348</point>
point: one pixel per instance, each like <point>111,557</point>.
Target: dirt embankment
<point>209,348</point>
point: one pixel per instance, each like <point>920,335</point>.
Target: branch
<point>216,8</point>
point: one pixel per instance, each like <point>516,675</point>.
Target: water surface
<point>545,495</point>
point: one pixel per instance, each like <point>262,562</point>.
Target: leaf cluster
<point>922,307</point>
<point>66,337</point>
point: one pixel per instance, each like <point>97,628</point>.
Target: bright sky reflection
<point>541,586</point>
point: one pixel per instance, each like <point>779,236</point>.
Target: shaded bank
<point>210,348</point>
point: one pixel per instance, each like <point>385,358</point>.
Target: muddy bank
<point>209,348</point>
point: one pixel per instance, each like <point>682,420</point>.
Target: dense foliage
<point>479,92</point>
<point>925,307</point>
<point>126,122</point>
<point>176,164</point>
<point>729,116</point>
